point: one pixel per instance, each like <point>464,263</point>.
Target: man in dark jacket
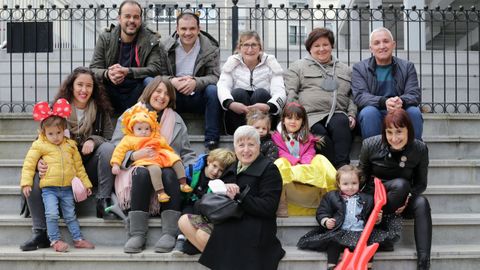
<point>382,83</point>
<point>125,55</point>
<point>194,70</point>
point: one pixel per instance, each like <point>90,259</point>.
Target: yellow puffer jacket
<point>64,162</point>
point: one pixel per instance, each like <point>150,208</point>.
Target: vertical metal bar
<point>288,37</point>
<point>420,46</point>
<point>35,65</point>
<point>234,25</point>
<point>299,32</point>
<point>336,32</point>
<point>468,63</point>
<point>275,29</point>
<point>360,33</point>
<point>10,33</point>
<point>60,45</point>
<point>48,58</point>
<point>70,13</point>
<point>432,61</point>
<point>83,35</point>
<point>444,65</point>
<point>23,59</point>
<point>455,53</point>
<point>408,36</point>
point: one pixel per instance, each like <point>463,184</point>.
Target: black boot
<point>101,205</point>
<point>423,262</point>
<point>39,239</point>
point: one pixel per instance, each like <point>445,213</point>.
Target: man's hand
<point>238,108</point>
<point>394,103</point>
<point>185,85</point>
<point>117,73</point>
<point>88,147</point>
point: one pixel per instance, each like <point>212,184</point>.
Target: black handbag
<point>217,208</point>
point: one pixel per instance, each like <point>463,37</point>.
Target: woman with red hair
<point>401,162</point>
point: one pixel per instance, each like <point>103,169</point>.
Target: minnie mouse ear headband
<point>42,110</point>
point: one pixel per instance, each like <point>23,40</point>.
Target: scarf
<point>166,118</point>
<point>82,129</point>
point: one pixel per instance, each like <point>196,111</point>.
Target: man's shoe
<point>211,145</point>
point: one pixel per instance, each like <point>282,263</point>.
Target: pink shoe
<point>60,246</point>
<point>83,244</point>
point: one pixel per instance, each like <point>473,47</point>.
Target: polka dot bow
<point>42,111</point>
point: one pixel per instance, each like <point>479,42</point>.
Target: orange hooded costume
<point>165,157</point>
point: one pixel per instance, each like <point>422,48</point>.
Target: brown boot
<point>282,210</point>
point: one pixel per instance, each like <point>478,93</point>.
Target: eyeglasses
<point>250,45</point>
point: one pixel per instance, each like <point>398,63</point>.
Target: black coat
<point>250,242</point>
<point>377,160</point>
<point>333,206</point>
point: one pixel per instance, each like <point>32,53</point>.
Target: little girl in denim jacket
<point>65,163</point>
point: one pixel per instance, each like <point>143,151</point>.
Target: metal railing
<point>443,43</point>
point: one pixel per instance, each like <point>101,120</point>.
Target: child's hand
<point>89,191</point>
<point>115,169</point>
<point>330,223</point>
<point>379,217</point>
<point>26,191</point>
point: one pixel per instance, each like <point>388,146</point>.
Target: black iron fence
<point>43,44</point>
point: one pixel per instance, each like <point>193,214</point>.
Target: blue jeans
<point>52,197</point>
<point>203,102</point>
<point>371,118</point>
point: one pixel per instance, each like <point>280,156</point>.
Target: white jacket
<point>268,74</point>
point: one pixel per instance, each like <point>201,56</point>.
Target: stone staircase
<point>453,191</point>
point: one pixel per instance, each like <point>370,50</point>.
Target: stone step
<point>441,172</point>
<point>435,124</point>
<point>448,229</point>
<point>444,257</point>
<point>440,147</point>
<point>443,199</point>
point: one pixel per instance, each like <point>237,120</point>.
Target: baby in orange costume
<point>143,131</point>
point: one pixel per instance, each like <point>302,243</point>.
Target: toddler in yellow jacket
<point>64,163</point>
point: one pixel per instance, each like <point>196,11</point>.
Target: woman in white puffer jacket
<point>250,79</point>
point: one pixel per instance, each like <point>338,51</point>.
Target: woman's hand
<point>351,122</point>
<point>88,147</point>
<point>232,190</point>
<point>144,153</point>
<point>238,108</point>
<point>42,167</point>
<point>260,106</point>
<point>401,209</point>
<point>330,223</point>
<point>26,190</point>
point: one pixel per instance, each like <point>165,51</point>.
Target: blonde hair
<point>257,115</point>
<point>348,169</point>
<point>224,156</point>
<point>246,35</point>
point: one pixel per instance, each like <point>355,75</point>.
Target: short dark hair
<point>189,14</point>
<point>399,119</point>
<point>318,33</point>
<point>132,2</point>
<point>294,109</point>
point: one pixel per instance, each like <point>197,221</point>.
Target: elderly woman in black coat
<point>249,242</point>
<point>401,162</point>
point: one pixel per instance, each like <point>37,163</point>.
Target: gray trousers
<point>99,171</point>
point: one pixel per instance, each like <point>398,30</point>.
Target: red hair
<point>397,118</point>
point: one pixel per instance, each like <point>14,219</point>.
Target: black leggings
<point>142,189</point>
<point>337,137</point>
<point>418,208</point>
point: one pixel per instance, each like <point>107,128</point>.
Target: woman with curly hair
<point>91,127</point>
